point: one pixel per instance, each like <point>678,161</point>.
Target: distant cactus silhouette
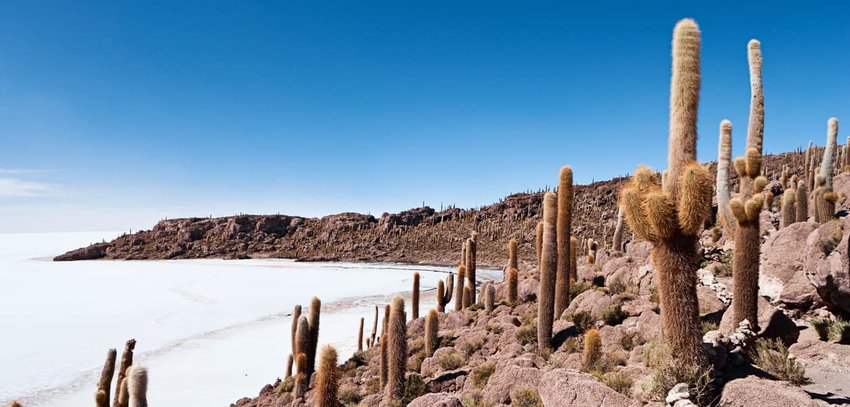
<point>671,217</point>
<point>327,379</point>
<point>415,297</point>
<point>137,386</point>
<point>432,326</point>
<point>563,227</point>
<point>513,282</point>
<point>101,397</point>
<point>549,259</point>
<point>397,351</point>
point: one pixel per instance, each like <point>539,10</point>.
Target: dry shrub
<point>526,397</point>
<point>772,356</point>
<point>619,381</point>
<point>526,334</point>
<point>481,375</point>
<point>582,321</point>
<point>450,361</point>
<point>669,372</point>
<point>349,395</point>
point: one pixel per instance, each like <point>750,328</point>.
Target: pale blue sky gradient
<point>114,115</point>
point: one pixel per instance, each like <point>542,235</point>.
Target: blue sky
<point>114,115</point>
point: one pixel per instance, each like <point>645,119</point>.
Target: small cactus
<point>415,297</point>
<point>432,326</point>
<point>549,258</point>
<point>802,202</point>
<point>592,349</point>
<point>105,383</point>
<point>573,258</point>
<point>788,210</point>
<point>289,362</point>
<point>327,379</point>
<point>489,297</point>
<point>137,386</point>
<point>397,351</point>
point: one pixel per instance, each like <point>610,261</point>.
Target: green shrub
<point>579,287</point>
<point>821,326</point>
<point>414,362</point>
<point>285,385</point>
<point>772,356</point>
<point>616,286</point>
<point>583,321</point>
<point>839,331</point>
<point>526,397</point>
<point>373,384</point>
<point>482,374</point>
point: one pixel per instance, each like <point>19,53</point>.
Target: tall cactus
<point>538,243</point>
<point>512,257</point>
<point>829,151</point>
<point>360,336</point>
<point>548,265</point>
<point>397,351</point>
<point>471,258</point>
<point>802,202</point>
<point>672,217</point>
<point>415,297</point>
<point>126,362</point>
<point>432,339</point>
<point>461,275</point>
<point>563,226</point>
<point>327,379</point>
<point>101,397</point>
<point>617,241</point>
<point>824,197</point>
<point>513,282</point>
<point>724,158</point>
<point>137,386</point>
<point>313,321</point>
<point>788,208</point>
<point>296,315</point>
<point>302,337</point>
<point>385,334</point>
<point>573,258</point>
<point>374,328</point>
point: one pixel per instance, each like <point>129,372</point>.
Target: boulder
<point>827,264</point>
<point>772,323</point>
<point>436,400</point>
<point>752,391</point>
<point>566,388</point>
<point>507,379</point>
<point>782,277</point>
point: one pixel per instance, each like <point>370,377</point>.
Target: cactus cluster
<point>103,395</point>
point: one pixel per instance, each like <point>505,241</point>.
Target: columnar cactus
<point>296,315</point>
<point>512,258</point>
<point>513,282</point>
<point>489,297</point>
<point>374,328</point>
<point>137,386</point>
<point>384,347</point>
<point>467,300</point>
<point>313,320</point>
<point>327,379</point>
<point>471,255</point>
<point>617,241</point>
<point>829,151</point>
<point>461,275</point>
<point>101,397</point>
<point>802,202</point>
<point>360,336</point>
<point>415,298</point>
<point>126,362</point>
<point>563,226</point>
<point>672,216</point>
<point>592,246</point>
<point>592,348</point>
<point>824,201</point>
<point>745,260</point>
<point>538,242</point>
<point>788,209</point>
<point>289,362</point>
<point>302,376</point>
<point>302,337</point>
<point>724,158</point>
<point>397,351</point>
<point>432,339</point>
<point>548,270</point>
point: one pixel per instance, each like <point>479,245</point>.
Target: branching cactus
<point>788,208</point>
<point>137,386</point>
<point>327,379</point>
<point>415,297</point>
<point>724,158</point>
<point>548,269</point>
<point>513,283</point>
<point>101,397</point>
<point>397,351</point>
<point>432,339</point>
<point>673,216</point>
<point>745,261</point>
<point>802,202</point>
<point>563,227</point>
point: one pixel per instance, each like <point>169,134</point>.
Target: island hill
<point>421,235</point>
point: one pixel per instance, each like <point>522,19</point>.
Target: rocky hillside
<point>420,235</point>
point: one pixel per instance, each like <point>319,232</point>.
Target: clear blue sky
<point>116,114</point>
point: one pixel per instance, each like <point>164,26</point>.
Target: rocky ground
<point>421,235</point>
<point>800,356</point>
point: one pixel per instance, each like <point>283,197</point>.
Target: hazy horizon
<point>114,116</point>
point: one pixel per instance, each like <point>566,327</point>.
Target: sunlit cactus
<point>538,242</point>
<point>563,227</point>
<point>617,240</point>
<point>396,351</point>
<point>513,283</point>
<point>724,158</point>
<point>432,326</point>
<point>126,362</point>
<point>374,329</point>
<point>327,379</point>
<point>826,162</point>
<point>573,258</point>
<point>549,259</point>
<point>592,349</point>
<point>461,276</point>
<point>313,321</point>
<point>788,211</point>
<point>802,202</point>
<point>467,299</point>
<point>471,256</point>
<point>671,217</point>
<point>137,386</point>
<point>512,254</point>
<point>384,368</point>
<point>101,397</point>
<point>302,376</point>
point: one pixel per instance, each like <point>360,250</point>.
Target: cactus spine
<point>126,362</point>
<point>397,351</point>
<point>564,223</point>
<point>137,386</point>
<point>432,326</point>
<point>549,259</point>
<point>327,379</point>
<point>101,397</point>
<point>513,281</point>
<point>724,158</point>
<point>415,298</point>
<point>512,259</point>
<point>617,241</point>
<point>360,337</point>
<point>788,209</point>
<point>313,321</point>
<point>672,217</point>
